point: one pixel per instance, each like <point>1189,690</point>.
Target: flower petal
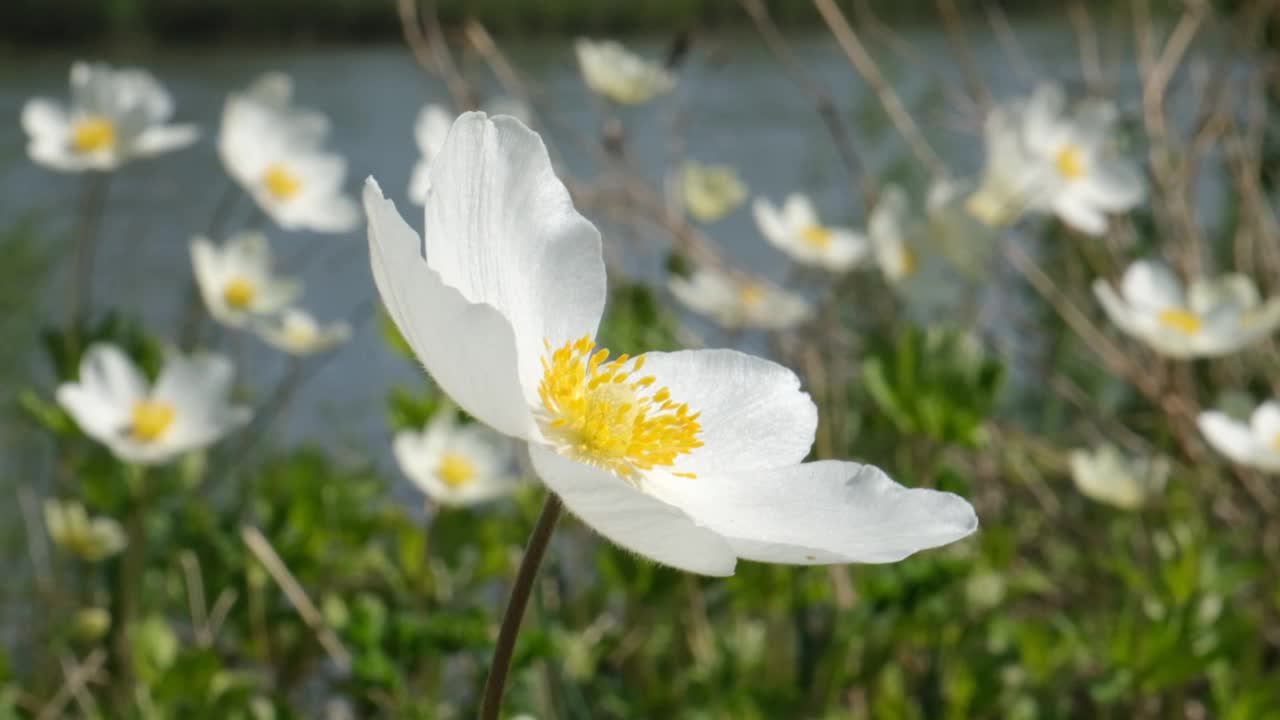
<point>632,519</point>
<point>821,512</point>
<point>1074,209</point>
<point>501,229</point>
<point>753,413</point>
<point>157,140</point>
<point>1230,437</point>
<point>1151,285</point>
<point>770,222</point>
<point>1113,185</point>
<point>44,118</point>
<point>468,348</point>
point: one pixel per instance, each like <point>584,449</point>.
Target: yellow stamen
<point>281,183</point>
<point>150,420</point>
<point>456,470</point>
<point>1070,162</point>
<point>596,413</point>
<point>816,236</point>
<point>1181,320</point>
<point>93,133</point>
<point>908,263</point>
<point>238,294</point>
<point>752,294</point>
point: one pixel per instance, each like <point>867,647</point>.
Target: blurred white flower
<point>454,464</point>
<point>1041,159</point>
<point>115,115</point>
<point>795,229</point>
<point>887,228</point>
<point>274,151</point>
<point>236,280</point>
<point>737,302</point>
<point>90,539</point>
<point>611,70</point>
<point>186,409</point>
<point>1109,476</point>
<point>688,458</point>
<point>296,332</point>
<point>1255,443</point>
<point>1214,317</point>
<point>711,191</point>
<point>429,131</point>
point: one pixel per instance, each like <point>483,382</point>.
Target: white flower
<point>887,229</point>
<point>1214,317</point>
<point>296,332</point>
<point>429,132</point>
<point>611,70</point>
<point>736,302</point>
<point>711,191</point>
<point>1041,159</point>
<point>1255,443</point>
<point>1110,477</point>
<point>688,458</point>
<point>186,409</point>
<point>274,151</point>
<point>453,464</point>
<point>115,115</point>
<point>795,229</point>
<point>90,539</point>
<point>236,280</point>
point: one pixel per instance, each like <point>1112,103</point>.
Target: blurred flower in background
<point>186,409</point>
<point>1253,443</point>
<point>1107,475</point>
<point>296,332</point>
<point>90,539</point>
<point>115,115</point>
<point>273,149</point>
<point>456,465</point>
<point>429,132</point>
<point>615,72</point>
<point>737,302</point>
<point>796,230</point>
<point>711,191</point>
<point>887,230</point>
<point>236,280</point>
<point>1214,317</point>
<point>1041,159</point>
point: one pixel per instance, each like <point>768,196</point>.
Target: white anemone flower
<point>737,302</point>
<point>429,131</point>
<point>1042,159</point>
<point>236,280</point>
<point>274,150</point>
<point>456,465</point>
<point>887,228</point>
<point>615,72</point>
<point>1109,476</point>
<point>186,409</point>
<point>297,332</point>
<point>91,539</point>
<point>795,229</point>
<point>688,458</point>
<point>1213,317</point>
<point>711,191</point>
<point>115,115</point>
<point>1255,443</point>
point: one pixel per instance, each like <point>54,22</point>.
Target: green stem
<point>93,201</point>
<point>133,565</point>
<point>521,590</point>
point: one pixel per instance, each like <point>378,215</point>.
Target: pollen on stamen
<point>595,412</point>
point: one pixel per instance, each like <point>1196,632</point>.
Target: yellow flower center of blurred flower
<point>93,133</point>
<point>1183,321</point>
<point>595,413</point>
<point>281,183</point>
<point>752,294</point>
<point>816,236</point>
<point>150,420</point>
<point>1070,162</point>
<point>909,263</point>
<point>238,293</point>
<point>456,470</point>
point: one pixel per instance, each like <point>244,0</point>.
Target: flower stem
<point>516,604</point>
<point>92,204</point>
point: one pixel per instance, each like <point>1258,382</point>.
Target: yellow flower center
<point>1070,162</point>
<point>594,412</point>
<point>908,263</point>
<point>150,420</point>
<point>281,183</point>
<point>93,133</point>
<point>456,470</point>
<point>816,236</point>
<point>238,294</point>
<point>1181,320</point>
<point>752,294</point>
